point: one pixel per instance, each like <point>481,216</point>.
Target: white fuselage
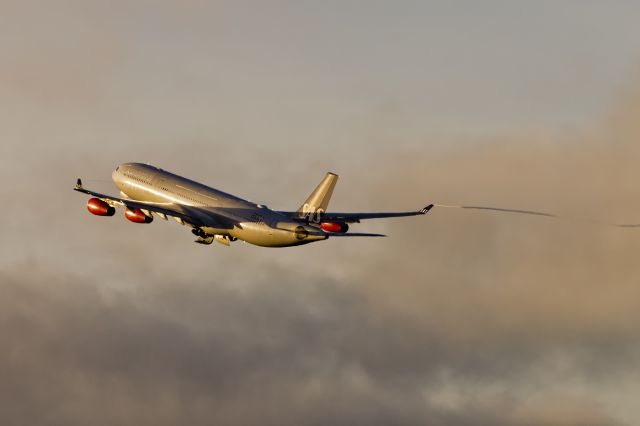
<point>253,223</point>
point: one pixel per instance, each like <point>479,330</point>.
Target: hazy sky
<point>457,318</point>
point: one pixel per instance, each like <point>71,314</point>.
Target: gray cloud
<point>312,355</point>
<point>456,319</point>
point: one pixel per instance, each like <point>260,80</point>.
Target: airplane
<point>147,191</point>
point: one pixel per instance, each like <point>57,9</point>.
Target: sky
<point>459,317</point>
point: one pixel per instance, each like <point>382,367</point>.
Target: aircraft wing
<point>191,215</point>
<point>357,217</point>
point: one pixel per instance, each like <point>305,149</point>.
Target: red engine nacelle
<point>334,227</point>
<point>137,216</point>
<point>100,208</point>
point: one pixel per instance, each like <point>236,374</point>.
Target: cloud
<point>392,345</point>
<point>460,317</point>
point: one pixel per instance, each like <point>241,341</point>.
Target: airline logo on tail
<point>311,213</point>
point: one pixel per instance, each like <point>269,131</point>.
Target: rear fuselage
<point>253,223</point>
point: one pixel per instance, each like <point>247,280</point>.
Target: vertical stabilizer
<point>318,201</point>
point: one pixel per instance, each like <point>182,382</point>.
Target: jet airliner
<point>147,191</point>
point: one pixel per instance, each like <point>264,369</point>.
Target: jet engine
<point>334,227</point>
<point>100,208</point>
<point>137,216</point>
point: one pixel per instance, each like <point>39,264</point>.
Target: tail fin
<point>318,201</point>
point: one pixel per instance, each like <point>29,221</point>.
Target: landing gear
<point>223,239</point>
<point>204,238</point>
<point>198,232</point>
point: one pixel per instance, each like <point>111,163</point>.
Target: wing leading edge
<point>192,216</point>
<point>357,217</point>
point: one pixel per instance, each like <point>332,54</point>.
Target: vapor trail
<point>536,213</point>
